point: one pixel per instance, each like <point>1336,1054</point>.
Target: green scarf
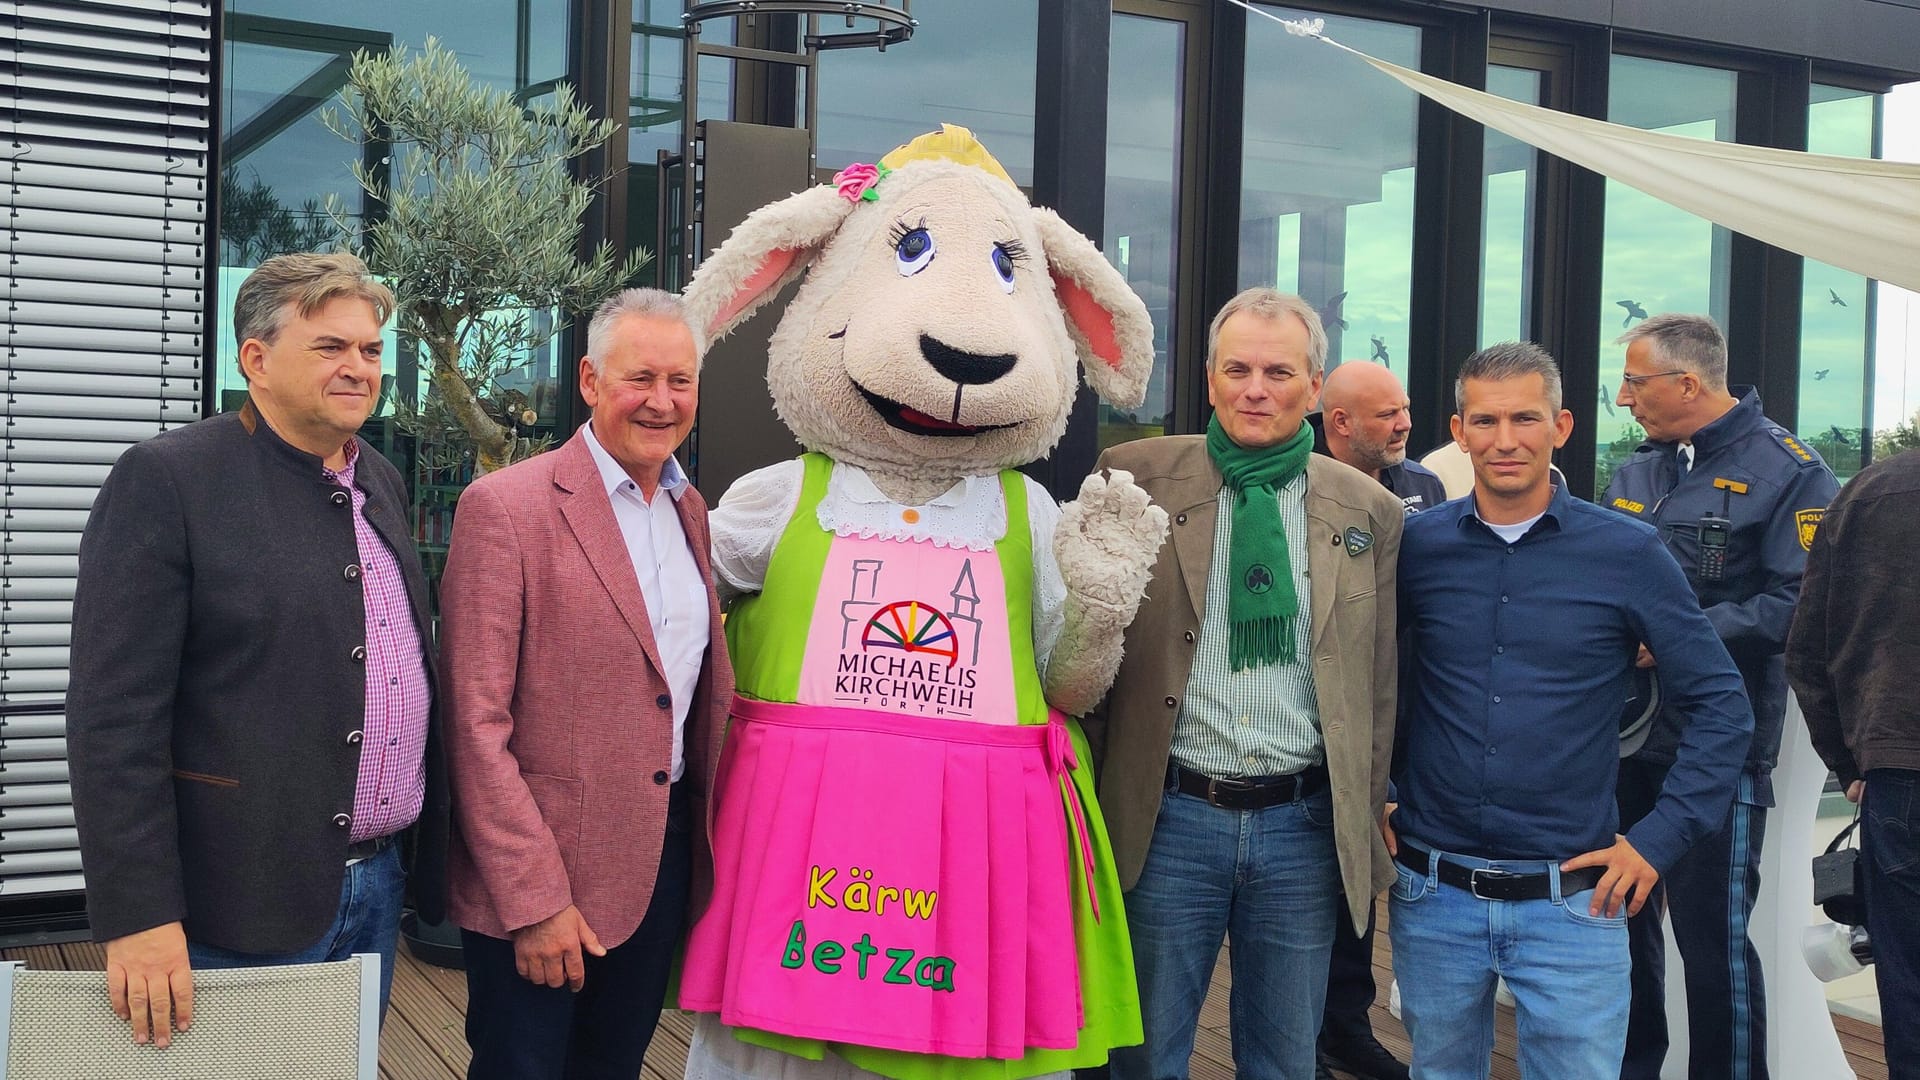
<point>1262,606</point>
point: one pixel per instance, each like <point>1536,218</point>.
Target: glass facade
<point>970,62</point>
<point>1510,193</point>
<point>1837,328</point>
<point>1145,122</point>
<point>1327,168</point>
<point>1656,257</point>
<point>1325,152</point>
<point>281,167</point>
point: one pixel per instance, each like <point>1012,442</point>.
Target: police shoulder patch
<point>1808,522</point>
<point>1629,505</point>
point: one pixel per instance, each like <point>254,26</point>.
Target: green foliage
<point>255,225</point>
<point>479,231</point>
<point>1903,436</point>
<point>1615,454</point>
<point>1839,447</point>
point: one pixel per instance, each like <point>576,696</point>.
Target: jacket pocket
<point>205,778</point>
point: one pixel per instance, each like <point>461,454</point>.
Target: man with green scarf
<point>1243,749</point>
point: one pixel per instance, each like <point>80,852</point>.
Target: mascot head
<point>943,317</point>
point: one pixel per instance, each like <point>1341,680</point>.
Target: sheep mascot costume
<point>912,878</point>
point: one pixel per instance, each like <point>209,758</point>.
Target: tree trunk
<point>491,443</point>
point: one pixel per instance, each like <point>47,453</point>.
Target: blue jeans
<point>1890,838</point>
<point>1570,974</point>
<point>1270,878</point>
<point>371,892</point>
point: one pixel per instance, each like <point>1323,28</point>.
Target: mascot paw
<point>1107,540</point>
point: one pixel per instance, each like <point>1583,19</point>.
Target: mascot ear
<point>770,248</point>
<point>1108,323</point>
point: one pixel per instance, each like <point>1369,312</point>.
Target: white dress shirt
<point>669,576</point>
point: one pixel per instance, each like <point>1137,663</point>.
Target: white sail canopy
<point>1855,213</point>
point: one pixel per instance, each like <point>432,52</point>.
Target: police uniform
<point>1739,518</point>
<point>1416,486</point>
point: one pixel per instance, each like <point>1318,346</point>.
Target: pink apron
<point>892,853</point>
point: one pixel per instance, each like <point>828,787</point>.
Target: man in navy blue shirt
<point>1523,610</point>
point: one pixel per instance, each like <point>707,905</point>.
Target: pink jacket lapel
<point>589,514</point>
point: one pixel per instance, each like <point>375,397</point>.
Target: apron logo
<point>1259,579</point>
<point>1358,540</point>
<point>909,651</point>
<point>1809,523</point>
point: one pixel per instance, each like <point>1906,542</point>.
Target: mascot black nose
<point>962,366</point>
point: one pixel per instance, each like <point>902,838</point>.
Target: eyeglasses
<point>1634,381</point>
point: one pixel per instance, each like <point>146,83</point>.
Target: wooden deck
<point>423,1038</point>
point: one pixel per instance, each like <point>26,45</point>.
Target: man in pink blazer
<point>589,685</point>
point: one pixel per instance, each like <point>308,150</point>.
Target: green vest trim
<point>767,631</point>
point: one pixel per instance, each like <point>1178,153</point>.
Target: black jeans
<point>1890,835</point>
<point>522,1031</point>
<point>1708,894</point>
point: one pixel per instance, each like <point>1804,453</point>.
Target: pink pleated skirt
<point>890,881</point>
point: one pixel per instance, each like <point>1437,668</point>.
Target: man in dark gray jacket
<point>248,723</point>
<point>1851,657</point>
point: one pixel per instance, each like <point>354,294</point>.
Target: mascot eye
<point>1003,266</point>
<point>914,250</point>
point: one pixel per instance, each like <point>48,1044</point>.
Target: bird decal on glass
<point>1380,350</point>
<point>1330,311</point>
<point>1821,375</point>
<point>1634,311</point>
<point>1834,298</point>
<point>1606,400</point>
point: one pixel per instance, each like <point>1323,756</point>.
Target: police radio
<point>1714,533</point>
<point>1716,530</point>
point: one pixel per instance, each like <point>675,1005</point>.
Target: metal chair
<point>319,1021</point>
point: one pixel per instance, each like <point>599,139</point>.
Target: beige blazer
<point>1354,654</point>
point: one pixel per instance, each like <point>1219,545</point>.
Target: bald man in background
<point>1363,422</point>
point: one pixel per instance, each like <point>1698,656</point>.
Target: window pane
<point>281,164</point>
<point>1896,381</point>
<point>1656,257</point>
<point>1512,173</point>
<point>1326,203</point>
<point>969,62</point>
<point>1836,307</point>
<point>1143,195</point>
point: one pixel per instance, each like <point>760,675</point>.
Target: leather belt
<point>1230,794</point>
<point>1500,884</point>
<point>367,849</point>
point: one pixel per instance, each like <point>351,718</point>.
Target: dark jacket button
<point>664,701</point>
<point>352,571</point>
<point>1172,701</point>
<point>660,777</point>
<point>354,737</point>
<point>1180,520</point>
<point>1188,635</point>
<point>358,655</point>
<point>341,821</point>
<point>340,498</point>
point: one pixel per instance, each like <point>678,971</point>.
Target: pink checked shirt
<point>393,748</point>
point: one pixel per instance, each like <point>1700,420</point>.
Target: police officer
<point>1364,419</point>
<point>1736,498</point>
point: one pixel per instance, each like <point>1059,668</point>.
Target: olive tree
<point>477,232</point>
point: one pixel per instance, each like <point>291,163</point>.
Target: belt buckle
<point>1217,785</point>
<point>1480,872</point>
